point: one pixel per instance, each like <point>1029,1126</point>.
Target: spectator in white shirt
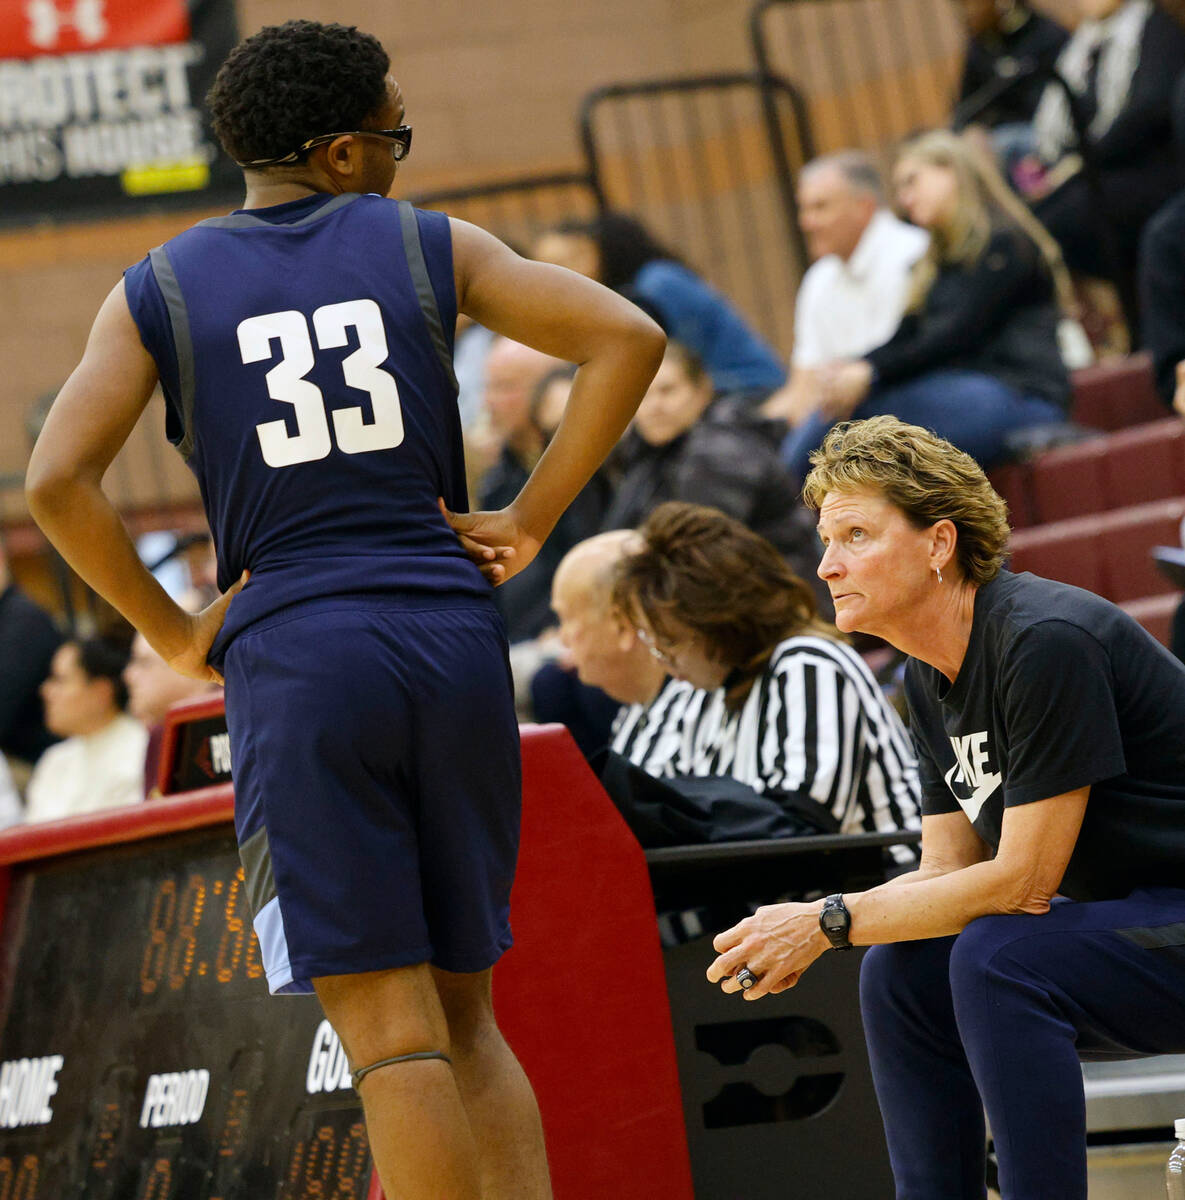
<point>852,297</point>
<point>101,762</point>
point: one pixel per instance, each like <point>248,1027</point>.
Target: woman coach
<point>1047,919</point>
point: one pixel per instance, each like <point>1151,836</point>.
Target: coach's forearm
<point>605,395</point>
<point>935,905</point>
<point>79,520</point>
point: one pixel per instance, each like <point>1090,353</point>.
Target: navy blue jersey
<point>305,355</point>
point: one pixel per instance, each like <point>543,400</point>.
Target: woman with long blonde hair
<point>976,357</point>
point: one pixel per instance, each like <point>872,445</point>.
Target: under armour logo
<point>47,21</point>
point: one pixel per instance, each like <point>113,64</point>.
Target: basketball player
<point>304,345</point>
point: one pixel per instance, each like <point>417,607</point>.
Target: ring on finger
<point>745,978</point>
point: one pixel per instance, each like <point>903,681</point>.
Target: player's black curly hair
<point>291,82</point>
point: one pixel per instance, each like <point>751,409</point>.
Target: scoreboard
<point>142,1058</point>
<point>140,1022</point>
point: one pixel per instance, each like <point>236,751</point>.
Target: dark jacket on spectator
<point>1136,167</point>
<point>725,460</point>
<point>997,316</point>
<point>28,640</point>
<point>994,57</point>
<point>1162,293</point>
<point>525,599</point>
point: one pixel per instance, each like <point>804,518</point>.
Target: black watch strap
<point>836,922</point>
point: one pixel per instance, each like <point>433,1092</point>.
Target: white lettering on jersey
<point>971,780</point>
<point>175,1098</point>
<point>329,1069</point>
<point>362,370</point>
<point>26,1085</point>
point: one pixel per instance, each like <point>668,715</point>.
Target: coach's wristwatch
<point>835,921</point>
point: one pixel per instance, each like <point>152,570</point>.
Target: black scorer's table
<point>148,1035</point>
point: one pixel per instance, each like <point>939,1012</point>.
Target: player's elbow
<point>49,486</point>
<point>645,337</point>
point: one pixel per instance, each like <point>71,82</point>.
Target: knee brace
<point>359,1075</point>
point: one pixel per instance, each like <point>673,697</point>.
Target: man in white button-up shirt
<point>853,296</point>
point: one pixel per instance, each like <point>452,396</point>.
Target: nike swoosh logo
<point>973,803</point>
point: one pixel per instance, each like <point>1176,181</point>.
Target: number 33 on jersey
<point>286,382</point>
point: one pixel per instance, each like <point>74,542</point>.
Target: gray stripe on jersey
<point>256,857</point>
<point>423,285</point>
<point>246,220</point>
<point>170,290</point>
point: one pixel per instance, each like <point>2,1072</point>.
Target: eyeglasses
<point>647,640</point>
<point>400,139</point>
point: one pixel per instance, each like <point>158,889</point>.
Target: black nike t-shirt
<point>1058,689</point>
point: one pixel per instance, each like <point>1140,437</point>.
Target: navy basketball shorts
<point>377,784</point>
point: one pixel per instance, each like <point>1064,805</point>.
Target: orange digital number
<point>159,1181</point>
<point>164,909</point>
<point>232,1131</point>
<point>24,1186</point>
<point>193,901</point>
<point>352,1163</point>
<point>230,949</point>
<point>109,1125</point>
<point>319,1164</point>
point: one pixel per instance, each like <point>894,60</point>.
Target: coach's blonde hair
<point>926,477</point>
<point>984,203</point>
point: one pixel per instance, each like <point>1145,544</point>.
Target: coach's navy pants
<point>997,1019</point>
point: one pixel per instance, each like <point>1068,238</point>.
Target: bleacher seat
<point>1129,466</point>
<point>1116,394</point>
<point>1073,480</point>
<point>1108,553</point>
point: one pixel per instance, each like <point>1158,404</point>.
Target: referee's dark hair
<point>101,658</point>
<point>291,82</point>
<point>698,569</point>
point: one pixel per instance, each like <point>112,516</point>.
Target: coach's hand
<point>777,943</point>
<point>203,628</point>
<point>495,541</point>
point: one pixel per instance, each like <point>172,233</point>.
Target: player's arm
<point>615,345</point>
<point>90,420</point>
<point>779,942</point>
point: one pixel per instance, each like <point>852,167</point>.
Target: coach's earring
<point>938,570</point>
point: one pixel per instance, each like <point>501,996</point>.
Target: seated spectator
<point>1122,63</point>
<point>153,687</point>
<point>101,762</point>
<point>853,294</point>
<point>1010,47</point>
<point>603,648</point>
<point>684,445</point>
<point>619,252</point>
<point>793,708</point>
<point>550,398</point>
<point>1161,276</point>
<point>976,358</point>
<point>28,640</point>
<point>513,372</point>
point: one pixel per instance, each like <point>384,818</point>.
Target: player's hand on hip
<point>494,540</point>
<point>203,629</point>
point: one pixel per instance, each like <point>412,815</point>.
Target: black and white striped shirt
<point>815,722</point>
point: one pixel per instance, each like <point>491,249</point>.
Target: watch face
<point>835,920</point>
